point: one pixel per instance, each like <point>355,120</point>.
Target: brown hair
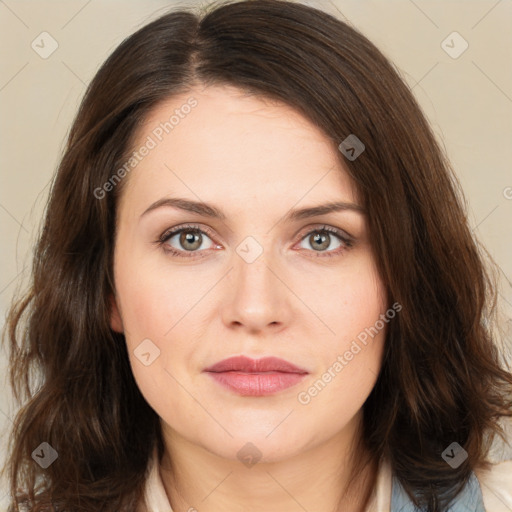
<point>442,378</point>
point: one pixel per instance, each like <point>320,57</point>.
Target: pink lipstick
<point>256,377</point>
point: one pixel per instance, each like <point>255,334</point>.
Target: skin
<point>255,160</point>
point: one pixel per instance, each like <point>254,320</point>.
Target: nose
<point>256,295</point>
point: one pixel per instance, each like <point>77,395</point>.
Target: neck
<point>316,479</point>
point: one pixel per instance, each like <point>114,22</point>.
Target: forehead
<point>220,142</point>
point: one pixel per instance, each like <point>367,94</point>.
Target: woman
<point>256,287</point>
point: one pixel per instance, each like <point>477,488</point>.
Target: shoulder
<point>496,486</point>
<point>487,490</point>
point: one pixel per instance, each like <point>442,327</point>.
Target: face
<point>254,280</point>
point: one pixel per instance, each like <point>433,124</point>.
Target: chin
<point>252,448</point>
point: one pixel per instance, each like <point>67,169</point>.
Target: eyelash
<point>168,234</point>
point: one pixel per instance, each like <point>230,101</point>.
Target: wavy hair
<point>442,378</point>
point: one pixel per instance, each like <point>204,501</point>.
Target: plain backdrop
<point>463,82</point>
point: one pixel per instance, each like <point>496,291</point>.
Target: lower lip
<point>257,384</point>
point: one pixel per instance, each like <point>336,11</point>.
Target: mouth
<point>256,377</point>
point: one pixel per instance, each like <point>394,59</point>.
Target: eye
<point>191,238</point>
<point>321,238</point>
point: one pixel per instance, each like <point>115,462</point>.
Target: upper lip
<point>248,365</point>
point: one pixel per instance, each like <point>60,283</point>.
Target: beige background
<point>467,99</point>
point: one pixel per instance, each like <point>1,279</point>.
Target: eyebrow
<point>208,210</point>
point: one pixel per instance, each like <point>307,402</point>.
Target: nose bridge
<point>253,265</point>
<point>257,297</point>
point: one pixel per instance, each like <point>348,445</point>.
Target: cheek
<point>343,382</point>
<point>352,303</point>
<point>151,299</point>
<point>352,351</point>
<point>156,310</point>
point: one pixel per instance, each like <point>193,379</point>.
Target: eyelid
<point>341,233</point>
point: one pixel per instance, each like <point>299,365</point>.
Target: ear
<point>116,322</point>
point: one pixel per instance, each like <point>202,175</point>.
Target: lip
<point>256,377</point>
<point>248,365</point>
